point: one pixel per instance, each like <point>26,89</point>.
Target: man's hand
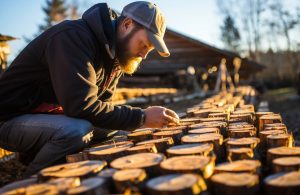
<point>157,117</point>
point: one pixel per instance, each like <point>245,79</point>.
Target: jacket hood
<point>99,18</point>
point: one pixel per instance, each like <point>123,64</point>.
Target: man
<point>57,92</point>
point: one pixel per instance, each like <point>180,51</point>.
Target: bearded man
<point>56,95</point>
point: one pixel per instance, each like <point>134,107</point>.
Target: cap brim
<point>158,44</point>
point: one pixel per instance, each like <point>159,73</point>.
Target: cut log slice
<point>184,129</point>
<point>275,128</point>
<point>81,169</point>
<point>148,161</point>
<point>161,144</point>
<point>219,115</point>
<point>107,175</point>
<point>75,157</point>
<point>204,130</point>
<point>129,181</point>
<point>175,184</point>
<point>214,138</point>
<point>108,154</point>
<point>190,120</point>
<point>140,136</point>
<point>246,117</point>
<point>90,186</point>
<point>286,164</point>
<point>18,185</point>
<point>279,152</point>
<point>279,140</point>
<point>282,183</point>
<point>205,149</point>
<point>274,125</point>
<point>144,129</point>
<point>234,154</point>
<point>239,166</point>
<point>240,133</point>
<point>142,149</point>
<point>268,119</point>
<point>122,144</point>
<point>176,135</point>
<point>222,126</point>
<point>202,165</point>
<point>247,142</point>
<point>36,189</point>
<point>213,119</point>
<point>260,114</point>
<point>263,137</point>
<point>235,183</point>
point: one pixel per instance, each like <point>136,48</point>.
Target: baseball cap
<point>149,15</point>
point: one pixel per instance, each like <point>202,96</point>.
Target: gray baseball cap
<point>149,15</point>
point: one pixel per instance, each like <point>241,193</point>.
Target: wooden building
<point>185,52</point>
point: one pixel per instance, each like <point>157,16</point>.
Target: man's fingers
<point>172,113</point>
<point>171,119</point>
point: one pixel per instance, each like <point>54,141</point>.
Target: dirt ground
<point>284,101</point>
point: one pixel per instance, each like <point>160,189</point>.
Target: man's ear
<point>127,24</point>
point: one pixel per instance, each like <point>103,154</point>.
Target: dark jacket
<point>70,64</point>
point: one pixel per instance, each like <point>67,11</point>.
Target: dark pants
<point>47,139</point>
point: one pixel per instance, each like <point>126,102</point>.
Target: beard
<point>128,62</point>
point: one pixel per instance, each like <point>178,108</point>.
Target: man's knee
<point>77,132</point>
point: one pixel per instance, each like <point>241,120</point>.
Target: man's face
<point>133,45</point>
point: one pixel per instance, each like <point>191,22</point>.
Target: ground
<point>284,101</point>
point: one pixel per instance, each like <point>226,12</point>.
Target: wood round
<point>129,181</point>
<point>268,119</point>
<point>202,165</point>
<point>108,154</point>
<point>81,169</point>
<point>142,149</point>
<point>161,144</point>
<point>235,183</point>
<point>234,154</point>
<point>122,144</point>
<point>247,142</point>
<point>176,184</point>
<point>176,135</point>
<point>75,157</point>
<point>140,136</point>
<point>286,164</point>
<point>88,186</point>
<point>148,161</point>
<point>282,183</point>
<point>240,133</point>
<point>204,130</point>
<point>239,166</point>
<point>205,149</point>
<point>279,140</point>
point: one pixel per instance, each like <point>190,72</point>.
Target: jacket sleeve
<point>69,56</point>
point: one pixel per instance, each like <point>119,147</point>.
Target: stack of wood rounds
<point>286,164</point>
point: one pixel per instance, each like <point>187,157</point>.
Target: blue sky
<point>21,18</point>
<point>200,19</point>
